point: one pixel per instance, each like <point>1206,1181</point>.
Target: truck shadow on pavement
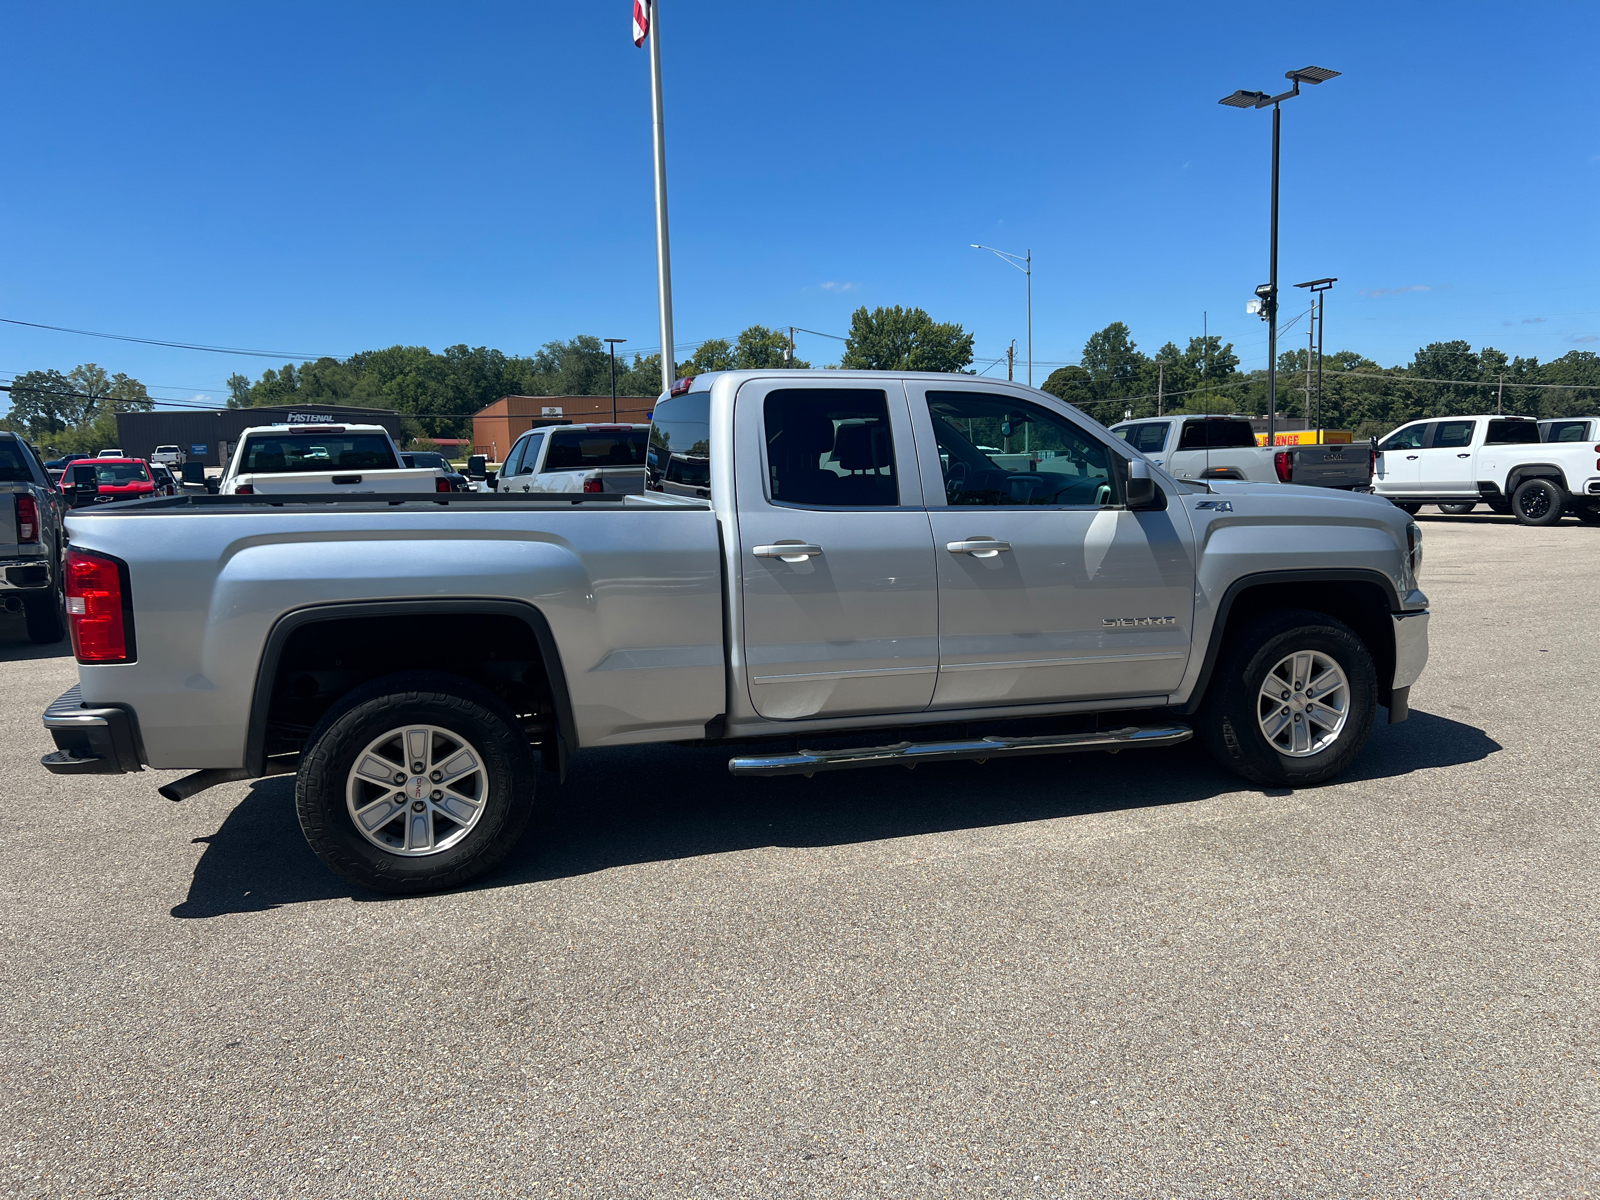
<point>15,645</point>
<point>657,803</point>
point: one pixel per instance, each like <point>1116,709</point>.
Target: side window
<point>1567,431</point>
<point>1453,435</point>
<point>829,448</point>
<point>530,454</point>
<point>509,467</point>
<point>1146,439</point>
<point>999,451</point>
<point>1409,438</point>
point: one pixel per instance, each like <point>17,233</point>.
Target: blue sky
<point>330,178</point>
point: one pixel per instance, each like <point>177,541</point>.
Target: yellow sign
<point>1308,437</point>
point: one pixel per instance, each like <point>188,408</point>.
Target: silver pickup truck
<point>1210,448</point>
<point>828,570</point>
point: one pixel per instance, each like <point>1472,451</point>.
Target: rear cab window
<point>594,447</point>
<point>308,452</point>
<point>1511,433</point>
<point>1217,433</point>
<point>13,463</point>
<point>678,461</point>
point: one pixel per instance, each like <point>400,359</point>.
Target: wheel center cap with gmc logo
<point>418,787</point>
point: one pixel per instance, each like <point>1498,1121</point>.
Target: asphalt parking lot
<point>1092,975</point>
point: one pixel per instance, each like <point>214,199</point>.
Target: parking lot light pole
<point>1023,263</point>
<point>1269,294</point>
<point>613,342</point>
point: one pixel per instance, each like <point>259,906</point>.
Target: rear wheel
<point>1459,510</point>
<point>1538,502</point>
<point>47,616</point>
<point>1293,700</point>
<point>414,783</point>
<point>1588,513</point>
<point>1406,507</point>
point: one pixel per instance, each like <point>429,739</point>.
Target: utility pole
<point>613,342</point>
<point>1319,320</point>
<point>1161,386</point>
<point>1311,349</point>
<point>788,355</point>
<point>1011,360</point>
<point>650,11</point>
<point>1500,397</point>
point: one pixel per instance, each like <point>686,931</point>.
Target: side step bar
<point>909,754</point>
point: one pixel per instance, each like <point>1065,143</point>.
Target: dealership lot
<point>1084,975</point>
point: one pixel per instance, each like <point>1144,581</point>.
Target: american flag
<point>641,21</point>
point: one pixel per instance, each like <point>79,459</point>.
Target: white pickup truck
<point>1202,447</point>
<point>1459,462</point>
<point>577,459</point>
<point>303,460</point>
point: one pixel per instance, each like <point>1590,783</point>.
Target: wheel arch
<point>1525,471</point>
<point>1362,599</point>
<point>406,614</point>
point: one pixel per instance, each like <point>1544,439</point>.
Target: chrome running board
<point>909,754</point>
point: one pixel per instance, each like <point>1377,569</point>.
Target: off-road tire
<point>1587,512</point>
<point>435,699</point>
<point>47,616</point>
<point>1407,507</point>
<point>1538,502</point>
<point>1458,510</point>
<point>1228,720</point>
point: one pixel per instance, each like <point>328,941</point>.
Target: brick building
<point>497,427</point>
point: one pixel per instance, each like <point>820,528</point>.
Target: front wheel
<point>1538,502</point>
<point>1588,513</point>
<point>1293,699</point>
<point>1407,507</point>
<point>414,783</point>
<point>1459,510</point>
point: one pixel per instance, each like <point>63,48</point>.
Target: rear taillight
<point>27,520</point>
<point>441,485</point>
<point>593,485</point>
<point>1283,465</point>
<point>99,608</point>
<point>244,489</point>
<point>1373,465</point>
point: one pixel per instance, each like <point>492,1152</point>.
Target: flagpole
<point>669,360</point>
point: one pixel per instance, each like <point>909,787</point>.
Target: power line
<point>123,337</point>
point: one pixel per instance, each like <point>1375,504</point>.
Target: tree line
<point>437,393</point>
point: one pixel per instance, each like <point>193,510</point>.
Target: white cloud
<point>833,286</point>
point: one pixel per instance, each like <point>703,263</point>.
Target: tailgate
<point>1348,466</point>
<point>301,483</point>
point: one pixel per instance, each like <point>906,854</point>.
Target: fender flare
<point>1525,471</point>
<point>255,756</point>
<point>1244,583</point>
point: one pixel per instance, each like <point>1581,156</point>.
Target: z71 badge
<point>1128,622</point>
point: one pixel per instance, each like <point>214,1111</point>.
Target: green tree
<point>44,404</point>
<point>714,355</point>
<point>1071,384</point>
<point>763,349</point>
<point>904,339</point>
<point>238,390</point>
<point>100,391</point>
<point>1112,359</point>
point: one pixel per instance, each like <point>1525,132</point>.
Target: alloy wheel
<point>417,790</point>
<point>1303,704</point>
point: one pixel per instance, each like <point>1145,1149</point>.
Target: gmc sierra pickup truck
<point>1456,462</point>
<point>1200,447</point>
<point>32,539</point>
<point>274,460</point>
<point>829,569</point>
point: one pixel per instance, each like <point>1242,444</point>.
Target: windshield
<point>118,474</point>
<point>585,449</point>
<point>287,453</point>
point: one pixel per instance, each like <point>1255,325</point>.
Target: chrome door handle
<point>978,547</point>
<point>787,551</point>
<point>1410,457</point>
<point>1467,455</point>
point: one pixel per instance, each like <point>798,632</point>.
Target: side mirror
<point>489,477</point>
<point>477,466</point>
<point>1138,486</point>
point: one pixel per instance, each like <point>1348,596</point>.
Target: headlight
<point>1414,550</point>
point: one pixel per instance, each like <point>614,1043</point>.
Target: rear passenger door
<point>840,599</point>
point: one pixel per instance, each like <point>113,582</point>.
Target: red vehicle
<point>123,478</point>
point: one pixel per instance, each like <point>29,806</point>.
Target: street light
<point>1268,292</point>
<point>613,342</point>
<point>1023,263</point>
<point>1318,286</point>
